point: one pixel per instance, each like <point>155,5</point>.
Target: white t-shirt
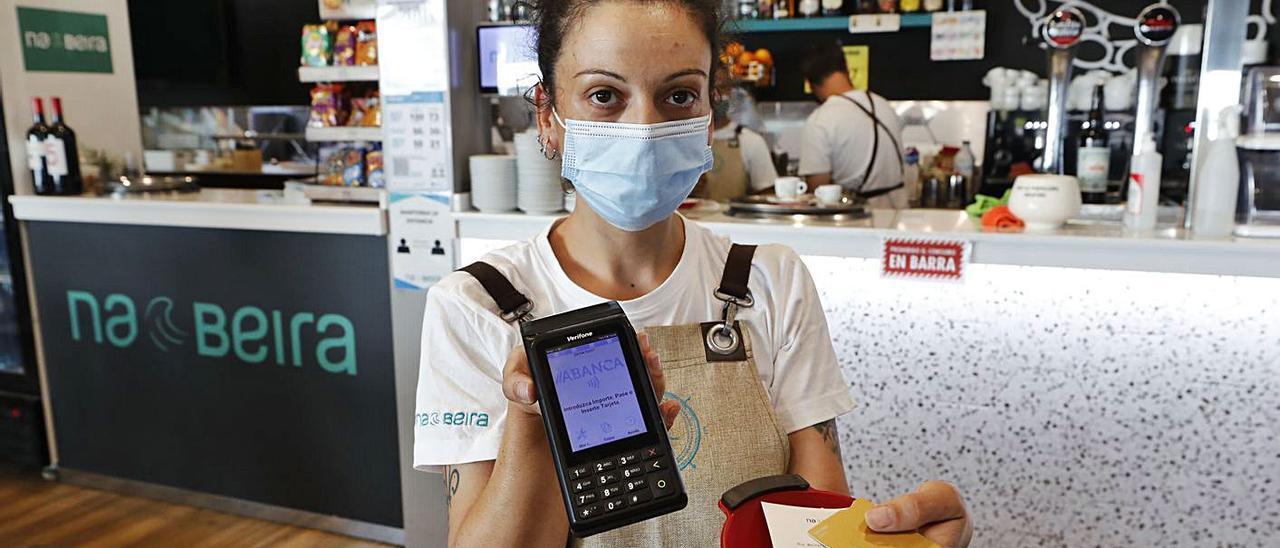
<point>460,406</point>
<point>755,155</point>
<point>838,139</point>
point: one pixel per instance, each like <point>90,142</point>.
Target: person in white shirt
<point>853,138</point>
<point>625,100</point>
<point>742,164</point>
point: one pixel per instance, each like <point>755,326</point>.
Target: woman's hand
<point>935,509</point>
<point>517,382</point>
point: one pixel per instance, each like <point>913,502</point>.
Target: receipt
<point>789,525</point>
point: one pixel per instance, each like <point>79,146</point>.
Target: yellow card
<point>848,529</point>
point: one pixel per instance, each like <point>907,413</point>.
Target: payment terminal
<point>607,437</point>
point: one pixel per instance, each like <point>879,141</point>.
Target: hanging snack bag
<point>316,43</point>
<point>326,106</point>
<point>366,43</point>
<point>344,47</point>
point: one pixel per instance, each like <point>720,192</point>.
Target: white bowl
<point>1045,202</point>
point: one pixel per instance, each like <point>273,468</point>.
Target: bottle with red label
<point>40,180</point>
<point>61,155</point>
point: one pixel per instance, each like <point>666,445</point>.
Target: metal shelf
<point>323,134</point>
<point>909,20</point>
<point>338,74</point>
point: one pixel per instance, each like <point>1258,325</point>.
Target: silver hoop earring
<point>552,156</point>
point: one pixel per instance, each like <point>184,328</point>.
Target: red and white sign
<point>924,259</point>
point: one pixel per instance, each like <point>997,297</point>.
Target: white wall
<point>101,108</point>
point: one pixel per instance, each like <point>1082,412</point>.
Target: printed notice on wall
<point>924,259</point>
<point>958,35</point>
<point>422,236</point>
<point>413,54</point>
<point>415,139</point>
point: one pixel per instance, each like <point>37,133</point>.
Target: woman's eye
<point>602,97</point>
<point>682,98</point>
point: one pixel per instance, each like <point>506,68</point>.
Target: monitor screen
<point>597,397</point>
<point>508,62</point>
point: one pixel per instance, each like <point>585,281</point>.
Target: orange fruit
<point>745,58</point>
<point>764,56</point>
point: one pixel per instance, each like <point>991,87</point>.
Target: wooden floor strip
<point>35,512</point>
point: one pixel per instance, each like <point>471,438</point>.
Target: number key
<point>606,478</point>
<point>604,465</point>
<point>584,498</point>
<point>575,473</point>
<point>612,505</point>
<point>608,492</point>
<point>628,459</point>
<point>582,485</point>
<point>634,484</point>
<point>632,472</point>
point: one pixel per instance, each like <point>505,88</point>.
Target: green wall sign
<point>64,41</point>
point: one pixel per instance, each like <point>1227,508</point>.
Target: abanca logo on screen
<point>251,334</point>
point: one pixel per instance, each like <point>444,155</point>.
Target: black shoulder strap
<point>513,304</point>
<point>876,126</point>
<point>737,272</point>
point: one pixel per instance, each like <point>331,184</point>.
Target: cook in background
<point>852,139</point>
<point>742,162</point>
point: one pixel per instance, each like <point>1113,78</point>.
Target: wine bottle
<point>1093,158</point>
<point>62,156</point>
<point>40,180</point>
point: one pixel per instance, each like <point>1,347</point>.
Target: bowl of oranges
<point>747,65</point>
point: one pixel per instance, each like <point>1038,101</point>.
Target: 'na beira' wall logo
<point>250,334</point>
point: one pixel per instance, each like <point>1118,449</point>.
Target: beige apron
<point>728,178</point>
<point>726,433</point>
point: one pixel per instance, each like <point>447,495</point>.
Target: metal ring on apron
<point>716,336</point>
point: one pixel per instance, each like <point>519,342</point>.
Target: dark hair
<point>552,18</point>
<point>822,61</point>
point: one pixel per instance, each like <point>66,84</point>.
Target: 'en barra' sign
<point>932,259</point>
<point>64,41</point>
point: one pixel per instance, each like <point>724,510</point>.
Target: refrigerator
<point>22,436</point>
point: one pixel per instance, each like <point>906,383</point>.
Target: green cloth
<point>983,203</point>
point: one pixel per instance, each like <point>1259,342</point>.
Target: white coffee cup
<point>1045,202</point>
<point>829,194</point>
<point>789,187</point>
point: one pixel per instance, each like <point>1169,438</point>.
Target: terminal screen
<point>597,397</point>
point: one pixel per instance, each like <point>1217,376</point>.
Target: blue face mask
<point>635,175</point>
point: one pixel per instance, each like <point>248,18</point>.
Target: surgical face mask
<point>635,175</point>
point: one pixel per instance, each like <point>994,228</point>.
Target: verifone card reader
<point>607,437</point>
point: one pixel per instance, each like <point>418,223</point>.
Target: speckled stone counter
<point>1129,399</point>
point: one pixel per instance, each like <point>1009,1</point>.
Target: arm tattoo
<point>831,435</point>
<point>451,480</point>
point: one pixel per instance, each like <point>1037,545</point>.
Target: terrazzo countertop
<point>1095,243</point>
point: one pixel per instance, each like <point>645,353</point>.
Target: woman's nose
<point>642,112</point>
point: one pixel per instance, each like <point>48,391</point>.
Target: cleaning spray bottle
<point>1144,187</point>
<point>1218,179</point>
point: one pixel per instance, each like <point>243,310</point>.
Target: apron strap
<point>737,272</point>
<point>513,304</point>
<point>876,126</point>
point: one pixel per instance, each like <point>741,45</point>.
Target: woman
<point>625,101</point>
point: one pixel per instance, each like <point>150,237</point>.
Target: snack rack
<point>347,159</point>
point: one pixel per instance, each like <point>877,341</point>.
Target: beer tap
<point>1061,31</point>
<point>1154,28</point>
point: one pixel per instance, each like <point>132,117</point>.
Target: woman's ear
<point>548,129</point>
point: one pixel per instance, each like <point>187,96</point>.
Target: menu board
<point>958,35</point>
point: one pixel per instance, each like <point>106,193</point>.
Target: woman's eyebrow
<point>601,72</point>
<point>687,72</point>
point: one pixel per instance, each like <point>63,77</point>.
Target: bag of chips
<point>366,43</point>
<point>344,47</point>
<point>327,106</point>
<point>366,111</point>
<point>316,44</point>
<point>373,172</point>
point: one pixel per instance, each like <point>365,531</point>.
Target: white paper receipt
<point>789,525</point>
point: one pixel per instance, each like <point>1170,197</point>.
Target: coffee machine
<point>1258,148</point>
